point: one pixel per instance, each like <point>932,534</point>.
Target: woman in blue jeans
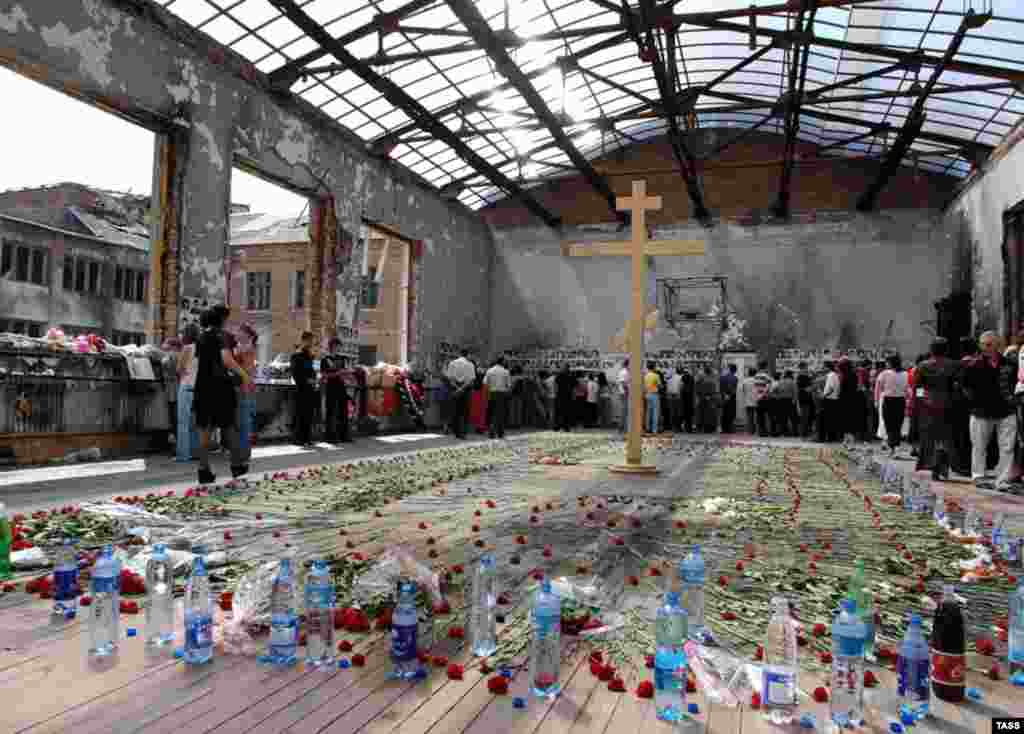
<point>188,363</point>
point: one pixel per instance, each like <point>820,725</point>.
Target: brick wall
<point>742,181</point>
<point>281,261</point>
<point>382,326</point>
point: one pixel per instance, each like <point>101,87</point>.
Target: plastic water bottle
<point>1016,650</point>
<point>405,664</point>
<point>284,618</point>
<point>159,597</point>
<point>913,668</point>
<point>779,687</point>
<point>482,622</point>
<point>864,603</point>
<point>6,540</point>
<point>846,705</point>
<point>939,508</point>
<point>691,584</point>
<point>319,615</point>
<point>545,648</point>
<point>198,612</point>
<point>972,521</point>
<point>106,604</point>
<point>65,581</point>
<point>670,660</point>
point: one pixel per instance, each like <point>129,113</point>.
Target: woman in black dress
<point>215,398</point>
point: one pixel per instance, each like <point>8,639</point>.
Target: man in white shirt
<point>499,383</point>
<point>675,399</point>
<point>830,403</point>
<point>624,393</point>
<point>461,375</point>
<point>550,391</point>
<point>592,390</point>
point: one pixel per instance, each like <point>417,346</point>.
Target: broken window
<point>119,282</point>
<point>69,273</point>
<point>299,297</point>
<point>140,287</point>
<point>6,259</point>
<point>21,265</point>
<point>94,278</point>
<point>39,267</point>
<point>371,288</point>
<point>80,275</point>
<point>258,290</point>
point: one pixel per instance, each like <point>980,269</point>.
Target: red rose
<point>423,656</point>
<point>617,685</point>
<point>759,653</point>
<point>821,694</point>
<point>870,681</point>
<point>597,655</point>
<point>994,673</point>
<point>358,660</point>
<point>819,630</point>
<point>455,672</point>
<point>383,621</point>
<point>547,551</point>
<point>755,700</point>
<point>457,568</point>
<point>344,646</point>
<point>633,581</point>
<point>439,661</point>
<point>827,546</point>
<point>475,528</point>
<point>885,653</point>
<point>521,540</point>
<point>825,657</point>
<point>490,504</point>
<point>354,620</point>
<point>739,565</point>
<point>596,666</point>
<point>649,661</point>
<point>456,633</point>
<point>645,689</point>
<point>723,580</point>
<point>226,600</point>
<point>497,685</point>
<point>803,547</point>
<point>484,667</point>
<point>606,673</point>
<point>728,616</point>
<point>654,571</point>
<point>984,646</point>
<point>129,607</point>
<point>85,601</point>
<point>442,607</point>
<point>423,526</point>
<point>9,588</point>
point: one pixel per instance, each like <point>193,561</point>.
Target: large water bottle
<point>106,604</point>
<point>670,659</point>
<point>405,664</point>
<point>913,668</point>
<point>284,618</point>
<point>863,601</point>
<point>160,597</point>
<point>1016,650</point>
<point>846,705</point>
<point>545,648</point>
<point>319,615</point>
<point>65,581</point>
<point>779,687</point>
<point>198,612</point>
<point>691,585</point>
<point>482,621</point>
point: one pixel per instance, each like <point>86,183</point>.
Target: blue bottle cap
<point>974,694</point>
<point>506,673</point>
<point>907,718</point>
<point>131,632</point>
<point>693,708</point>
<point>895,727</point>
<point>179,653</point>
<point>1017,678</point>
<point>519,703</point>
<point>344,663</point>
<point>420,674</point>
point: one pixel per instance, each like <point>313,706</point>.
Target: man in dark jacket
<point>729,384</point>
<point>989,382</point>
<point>686,397</point>
<point>306,393</point>
<point>332,368</point>
<point>565,386</point>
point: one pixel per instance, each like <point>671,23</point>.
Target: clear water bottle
<point>65,581</point>
<point>939,508</point>
<point>405,664</point>
<point>104,626</point>
<point>691,585</point>
<point>545,647</point>
<point>1016,650</point>
<point>160,597</point>
<point>670,660</point>
<point>913,668</point>
<point>319,615</point>
<point>284,617</point>
<point>482,622</point>
<point>779,686</point>
<point>198,612</point>
<point>863,601</point>
<point>846,705</point>
<point>972,521</point>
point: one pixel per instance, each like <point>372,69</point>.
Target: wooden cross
<point>638,248</point>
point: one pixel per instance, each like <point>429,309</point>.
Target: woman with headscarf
<point>215,397</point>
<point>935,383</point>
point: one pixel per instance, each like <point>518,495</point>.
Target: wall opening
<point>386,300</point>
<point>75,216</point>
<point>1013,263</point>
<point>270,283</point>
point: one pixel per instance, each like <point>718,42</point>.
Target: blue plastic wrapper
<point>131,632</point>
<point>693,708</point>
<point>974,694</point>
<point>506,673</point>
<point>895,727</point>
<point>807,721</point>
<point>519,703</point>
<point>344,664</point>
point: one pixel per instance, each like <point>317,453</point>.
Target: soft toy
<point>55,339</point>
<point>81,344</point>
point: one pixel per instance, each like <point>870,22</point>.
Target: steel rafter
<point>286,75</point>
<point>471,17</point>
<point>797,82</point>
<point>399,98</point>
<point>853,80</point>
<point>670,104</point>
<point>915,118</point>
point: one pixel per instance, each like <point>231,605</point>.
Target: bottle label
<point>283,631</point>
<point>667,679</point>
<point>913,679</point>
<point>844,675</point>
<point>65,584</point>
<point>947,669</point>
<point>851,646</point>
<point>403,643</point>
<point>199,632</point>
<point>779,688</point>
<point>104,584</point>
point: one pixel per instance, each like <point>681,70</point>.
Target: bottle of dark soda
<point>948,649</point>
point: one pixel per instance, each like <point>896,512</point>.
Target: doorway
<point>386,298</point>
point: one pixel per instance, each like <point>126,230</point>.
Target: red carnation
<point>485,668</point>
<point>358,660</point>
<point>344,646</point>
<point>606,673</point>
<point>729,616</point>
<point>457,568</point>
<point>129,607</point>
<point>521,540</point>
<point>596,666</point>
<point>825,657</point>
<point>645,689</point>
<point>423,526</point>
<point>739,565</point>
<point>456,633</point>
<point>821,694</point>
<point>633,581</point>
<point>755,700</point>
<point>455,672</point>
<point>439,661</point>
<point>547,551</point>
<point>870,681</point>
<point>649,661</point>
<point>819,630</point>
<point>85,601</point>
<point>490,504</point>
<point>617,685</point>
<point>654,571</point>
<point>984,646</point>
<point>475,528</point>
<point>498,685</point>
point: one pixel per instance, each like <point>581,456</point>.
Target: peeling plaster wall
<point>99,51</point>
<point>851,275</point>
<point>977,216</point>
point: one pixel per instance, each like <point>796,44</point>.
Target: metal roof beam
<point>915,119</point>
<point>471,17</point>
<point>399,98</point>
<point>285,76</point>
<point>851,81</point>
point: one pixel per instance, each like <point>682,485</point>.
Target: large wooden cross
<point>638,248</point>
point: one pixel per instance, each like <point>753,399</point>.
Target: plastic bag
<point>181,561</point>
<point>395,563</point>
<point>720,675</point>
<point>29,558</point>
<point>250,608</point>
